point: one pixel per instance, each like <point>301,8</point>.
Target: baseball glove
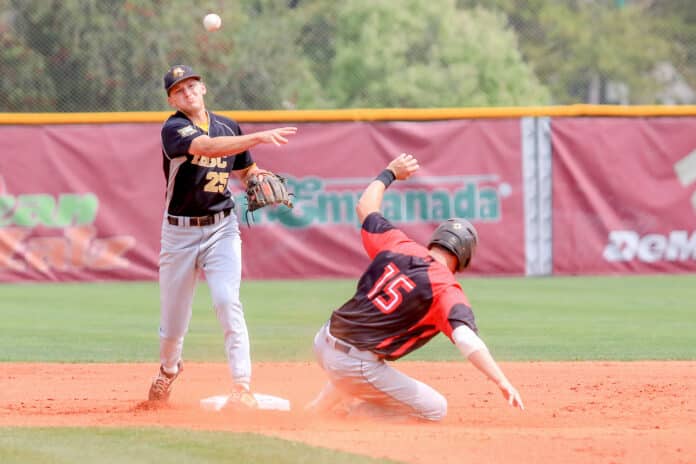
<point>265,188</point>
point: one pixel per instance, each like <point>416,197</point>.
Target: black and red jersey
<point>403,299</point>
<point>197,185</point>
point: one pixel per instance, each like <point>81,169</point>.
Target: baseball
<point>212,22</point>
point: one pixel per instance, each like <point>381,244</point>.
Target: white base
<point>266,402</point>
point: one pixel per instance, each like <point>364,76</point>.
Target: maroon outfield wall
<point>624,195</point>
<point>84,202</point>
<point>80,202</point>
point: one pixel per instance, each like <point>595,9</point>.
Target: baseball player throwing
<point>200,231</point>
<point>407,295</point>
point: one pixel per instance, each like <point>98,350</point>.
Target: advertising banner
<point>85,202</point>
<point>624,195</point>
<point>469,169</point>
<point>80,202</point>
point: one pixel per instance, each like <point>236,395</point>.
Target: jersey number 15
<point>385,292</point>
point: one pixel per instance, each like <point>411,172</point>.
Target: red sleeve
<point>455,308</point>
<point>378,234</point>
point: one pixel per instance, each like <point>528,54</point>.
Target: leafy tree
<point>111,56</point>
<point>23,86</point>
<point>678,24</point>
<point>263,65</point>
<point>579,47</point>
<point>94,55</point>
<point>419,53</point>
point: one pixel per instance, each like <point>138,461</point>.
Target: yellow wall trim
<point>386,114</point>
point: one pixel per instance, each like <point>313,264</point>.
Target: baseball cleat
<point>241,398</point>
<point>161,386</point>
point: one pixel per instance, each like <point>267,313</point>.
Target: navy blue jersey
<point>197,185</point>
<point>403,299</point>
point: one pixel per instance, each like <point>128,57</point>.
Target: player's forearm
<point>215,147</point>
<point>400,168</point>
<point>475,350</point>
<point>484,362</point>
<point>370,200</point>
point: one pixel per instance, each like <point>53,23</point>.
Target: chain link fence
<point>110,55</point>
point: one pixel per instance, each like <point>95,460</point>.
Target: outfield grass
<point>150,445</point>
<point>570,318</point>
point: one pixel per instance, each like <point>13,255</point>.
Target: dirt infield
<point>607,412</point>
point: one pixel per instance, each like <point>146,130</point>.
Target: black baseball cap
<point>178,73</point>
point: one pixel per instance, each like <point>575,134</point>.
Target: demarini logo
<point>627,245</point>
<point>73,216</point>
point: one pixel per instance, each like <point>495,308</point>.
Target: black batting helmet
<point>459,237</point>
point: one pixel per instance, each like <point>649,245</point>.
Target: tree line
<point>99,55</point>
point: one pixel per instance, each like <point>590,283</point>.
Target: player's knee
<point>227,302</point>
<point>437,409</point>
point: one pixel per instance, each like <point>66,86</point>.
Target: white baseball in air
<point>212,22</point>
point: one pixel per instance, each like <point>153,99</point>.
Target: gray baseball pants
<point>216,250</point>
<point>361,374</point>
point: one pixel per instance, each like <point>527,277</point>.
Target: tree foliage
<point>96,55</point>
<point>23,83</point>
<point>111,56</point>
<point>416,53</point>
<point>579,47</point>
<point>678,24</point>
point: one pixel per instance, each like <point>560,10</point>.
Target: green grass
<point>588,318</point>
<point>149,445</point>
<point>570,318</point>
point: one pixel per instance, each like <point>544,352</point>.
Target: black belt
<point>198,220</point>
<point>351,350</point>
<point>339,345</point>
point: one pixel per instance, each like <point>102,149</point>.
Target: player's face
<point>187,95</point>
